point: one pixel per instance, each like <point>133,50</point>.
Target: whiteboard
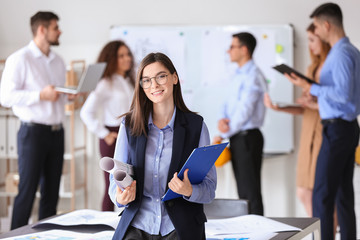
<point>199,54</point>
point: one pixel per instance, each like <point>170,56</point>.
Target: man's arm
<point>12,82</point>
<point>246,102</point>
<point>342,89</point>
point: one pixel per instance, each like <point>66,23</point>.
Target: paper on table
<point>246,224</point>
<point>52,234</point>
<point>64,235</point>
<point>252,236</point>
<point>104,235</point>
<point>84,217</point>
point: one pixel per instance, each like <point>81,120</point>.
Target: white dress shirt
<point>26,73</point>
<point>106,103</point>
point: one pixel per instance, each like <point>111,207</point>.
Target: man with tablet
<point>339,105</point>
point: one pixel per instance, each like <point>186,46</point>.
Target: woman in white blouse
<point>111,98</point>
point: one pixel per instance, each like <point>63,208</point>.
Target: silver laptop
<point>88,80</point>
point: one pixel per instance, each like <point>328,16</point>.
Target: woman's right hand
<point>127,195</point>
<point>110,138</point>
<point>309,101</point>
<point>217,140</point>
<point>268,103</point>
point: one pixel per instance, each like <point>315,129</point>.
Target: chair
<point>225,208</point>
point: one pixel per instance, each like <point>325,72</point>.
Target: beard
<point>54,42</point>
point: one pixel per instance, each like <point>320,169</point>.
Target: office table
<point>308,225</point>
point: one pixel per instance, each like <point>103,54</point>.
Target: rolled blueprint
<point>121,171</point>
<point>122,179</point>
<point>106,164</point>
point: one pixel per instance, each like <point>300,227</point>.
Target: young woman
<point>156,136</point>
<point>310,140</point>
<point>110,99</point>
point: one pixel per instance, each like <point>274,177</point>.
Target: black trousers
<point>246,152</point>
<point>334,178</point>
<point>137,234</point>
<point>40,161</point>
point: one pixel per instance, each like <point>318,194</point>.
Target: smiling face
<point>159,94</point>
<point>315,43</point>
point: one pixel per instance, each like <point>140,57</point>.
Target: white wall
<point>85,25</point>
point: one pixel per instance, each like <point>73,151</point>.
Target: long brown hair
<point>141,107</point>
<point>109,55</point>
<point>317,60</point>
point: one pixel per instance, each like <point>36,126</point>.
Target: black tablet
<point>283,68</point>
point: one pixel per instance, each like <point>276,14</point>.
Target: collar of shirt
<point>38,53</point>
<point>170,124</point>
<point>245,68</point>
<point>119,77</point>
<point>342,41</point>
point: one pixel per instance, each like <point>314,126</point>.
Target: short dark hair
<point>248,40</point>
<point>42,18</point>
<point>330,12</point>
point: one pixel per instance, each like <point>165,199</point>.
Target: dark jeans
<point>137,234</point>
<point>246,155</point>
<point>334,179</point>
<point>107,151</point>
<point>40,160</point>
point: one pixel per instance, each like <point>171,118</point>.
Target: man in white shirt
<point>27,86</point>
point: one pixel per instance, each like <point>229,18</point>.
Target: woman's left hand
<point>181,187</point>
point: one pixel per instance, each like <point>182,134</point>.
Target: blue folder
<point>199,164</point>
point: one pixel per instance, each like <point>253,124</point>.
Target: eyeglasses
<point>233,46</point>
<point>160,79</point>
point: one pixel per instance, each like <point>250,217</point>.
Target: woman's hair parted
<point>316,60</point>
<point>109,55</point>
<point>141,107</point>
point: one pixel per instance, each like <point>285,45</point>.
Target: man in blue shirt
<point>339,105</point>
<point>242,115</point>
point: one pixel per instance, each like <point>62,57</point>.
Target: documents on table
<point>64,235</point>
<point>84,217</point>
<point>252,227</point>
<point>243,236</point>
<point>245,224</point>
